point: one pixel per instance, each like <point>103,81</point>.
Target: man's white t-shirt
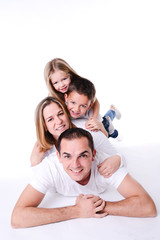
<point>50,175</point>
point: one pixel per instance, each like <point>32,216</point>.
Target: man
<point>76,174</point>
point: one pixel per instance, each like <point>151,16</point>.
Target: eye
<point>83,106</point>
<point>84,156</point>
<point>64,79</point>
<point>55,83</point>
<point>61,113</point>
<point>72,102</point>
<point>67,156</point>
<point>50,119</point>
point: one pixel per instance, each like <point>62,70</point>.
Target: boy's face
<point>76,157</point>
<point>77,104</point>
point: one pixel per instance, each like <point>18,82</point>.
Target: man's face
<point>76,157</point>
<point>77,104</point>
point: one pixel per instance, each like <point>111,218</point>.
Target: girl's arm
<point>96,109</point>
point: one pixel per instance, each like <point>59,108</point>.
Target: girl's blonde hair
<point>51,67</point>
<point>45,138</point>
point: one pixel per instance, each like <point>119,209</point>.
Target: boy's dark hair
<point>74,133</point>
<point>82,86</point>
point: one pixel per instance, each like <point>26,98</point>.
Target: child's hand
<point>109,166</point>
<point>37,155</point>
<point>93,124</point>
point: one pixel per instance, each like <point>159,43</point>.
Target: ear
<point>66,97</point>
<point>94,155</point>
<point>59,157</point>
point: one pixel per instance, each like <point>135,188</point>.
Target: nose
<point>75,163</point>
<point>61,84</point>
<point>58,120</point>
<point>76,108</point>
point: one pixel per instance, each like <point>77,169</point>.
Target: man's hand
<point>90,206</point>
<point>109,166</point>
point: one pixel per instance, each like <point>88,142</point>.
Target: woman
<point>52,118</point>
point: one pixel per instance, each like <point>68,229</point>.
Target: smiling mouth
<point>61,128</point>
<point>64,89</point>
<point>76,171</point>
<point>74,113</point>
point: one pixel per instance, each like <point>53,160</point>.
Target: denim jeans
<point>105,122</point>
<point>110,114</point>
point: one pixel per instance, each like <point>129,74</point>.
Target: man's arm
<point>27,214</point>
<point>137,202</point>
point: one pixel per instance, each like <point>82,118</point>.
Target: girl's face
<point>60,81</point>
<point>55,119</point>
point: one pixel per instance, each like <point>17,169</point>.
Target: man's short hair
<point>75,133</point>
<point>82,86</point>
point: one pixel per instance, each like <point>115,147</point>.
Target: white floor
<point>143,163</point>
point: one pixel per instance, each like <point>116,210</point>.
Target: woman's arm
<point>37,155</point>
<point>96,109</point>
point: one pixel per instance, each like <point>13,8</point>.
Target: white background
<point>115,44</point>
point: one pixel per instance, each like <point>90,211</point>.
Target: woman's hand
<point>37,155</point>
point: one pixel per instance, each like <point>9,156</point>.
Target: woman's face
<point>55,119</point>
<point>60,81</point>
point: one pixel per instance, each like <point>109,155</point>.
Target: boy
<point>80,99</point>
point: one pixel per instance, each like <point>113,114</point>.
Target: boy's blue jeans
<point>105,122</point>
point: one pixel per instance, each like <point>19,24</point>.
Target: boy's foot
<point>118,114</point>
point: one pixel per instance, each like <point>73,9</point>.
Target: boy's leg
<point>109,127</point>
<point>106,123</point>
<point>114,134</point>
<point>113,112</point>
<point>110,113</point>
<point>117,112</point>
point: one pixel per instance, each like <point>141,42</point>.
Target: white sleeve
<point>42,179</point>
<point>116,179</point>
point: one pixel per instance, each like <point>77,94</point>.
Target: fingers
<point>92,128</point>
<point>105,171</point>
<point>99,203</point>
<point>107,175</point>
<point>100,215</point>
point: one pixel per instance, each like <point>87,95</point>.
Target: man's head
<point>76,153</point>
<point>80,96</point>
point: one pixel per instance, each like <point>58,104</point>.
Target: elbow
<point>153,210</point>
<point>15,221</point>
<point>150,209</point>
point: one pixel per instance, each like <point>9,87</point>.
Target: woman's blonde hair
<point>51,67</point>
<point>44,137</point>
